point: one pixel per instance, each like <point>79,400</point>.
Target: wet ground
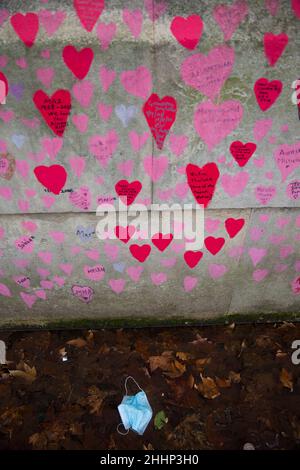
<point>212,387</point>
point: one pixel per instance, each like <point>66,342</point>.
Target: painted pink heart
<point>51,20</point>
<point>155,8</point>
<point>83,293</point>
<point>189,283</point>
<point>103,146</point>
<point>57,237</point>
<point>287,158</point>
<point>229,17</point>
<point>137,82</point>
<point>78,165</point>
<point>217,270</point>
<point>134,272</point>
<point>22,281</point>
<point>105,34</point>
<point>208,74</point>
<point>92,254</point>
<point>261,128</point>
<point>26,27</point>
<point>46,76</point>
<point>66,268</point>
<point>272,6</point>
<point>25,244</point>
<point>4,14</point>
<point>81,122</point>
<point>81,198</point>
<point>211,225</point>
<point>117,285</point>
<point>29,226</point>
<point>257,254</point>
<point>45,256</point>
<point>6,192</point>
<point>126,167</point>
<point>155,167</point>
<point>286,251</point>
<point>52,146</point>
<point>137,141</point>
<point>83,91</point>
<point>94,273</point>
<point>111,251</point>
<point>234,185</point>
<point>134,20</point>
<point>106,77</point>
<point>214,122</point>
<point>4,290</point>
<point>158,278</point>
<point>178,144</point>
<point>293,190</point>
<point>264,194</point>
<point>260,274</point>
<point>104,111</point>
<point>28,299</point>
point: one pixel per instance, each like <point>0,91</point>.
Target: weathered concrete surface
<point>254,273</point>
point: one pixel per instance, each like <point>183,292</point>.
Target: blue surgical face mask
<point>135,411</point>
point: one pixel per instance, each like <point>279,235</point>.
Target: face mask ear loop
<point>122,433</point>
<point>130,377</point>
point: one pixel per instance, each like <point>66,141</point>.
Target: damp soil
<point>214,387</point>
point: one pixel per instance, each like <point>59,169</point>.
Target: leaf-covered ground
<point>215,387</point>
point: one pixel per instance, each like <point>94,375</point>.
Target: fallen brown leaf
<point>208,388</point>
<point>24,371</point>
<point>77,342</point>
<point>286,378</point>
<point>168,364</point>
<point>95,400</point>
<point>223,383</point>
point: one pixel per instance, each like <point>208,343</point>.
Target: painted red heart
<point>140,252</point>
<point>127,192</point>
<point>192,258</point>
<point>274,45</point>
<point>52,177</point>
<point>242,152</point>
<point>4,79</point>
<point>162,241</point>
<point>202,181</point>
<point>160,115</point>
<point>214,245</point>
<point>267,92</point>
<point>124,233</point>
<point>88,12</point>
<point>55,109</point>
<point>79,62</point>
<point>234,226</point>
<point>296,7</point>
<point>187,31</point>
<point>26,26</point>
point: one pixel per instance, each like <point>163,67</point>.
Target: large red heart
<point>140,252</point>
<point>55,110</point>
<point>78,62</point>
<point>127,192</point>
<point>296,7</point>
<point>160,115</point>
<point>242,152</point>
<point>124,233</point>
<point>214,245</point>
<point>192,258</point>
<point>4,79</point>
<point>88,12</point>
<point>52,177</point>
<point>188,30</point>
<point>26,26</point>
<point>202,181</point>
<point>267,92</point>
<point>233,226</point>
<point>162,241</point>
<point>274,45</point>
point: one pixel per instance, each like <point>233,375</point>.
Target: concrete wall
<point>47,240</point>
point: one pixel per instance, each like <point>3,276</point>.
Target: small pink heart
<point>78,165</point>
<point>190,283</point>
<point>117,285</point>
<point>126,167</point>
<point>104,111</point>
<point>57,237</point>
<point>92,254</point>
<point>81,122</point>
<point>106,33</point>
<point>158,278</point>
<point>134,272</point>
<point>28,299</point>
<point>45,256</point>
<point>260,274</point>
<point>66,268</point>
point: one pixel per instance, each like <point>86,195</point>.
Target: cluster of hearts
<point>162,241</point>
<point>197,71</point>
